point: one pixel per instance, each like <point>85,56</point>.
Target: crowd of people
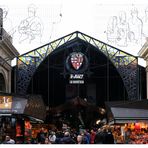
<point>104,135</point>
<point>69,136</point>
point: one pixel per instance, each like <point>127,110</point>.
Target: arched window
<point>2,83</point>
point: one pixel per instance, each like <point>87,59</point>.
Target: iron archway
<point>126,64</point>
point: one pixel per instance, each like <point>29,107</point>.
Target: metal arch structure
<point>126,64</point>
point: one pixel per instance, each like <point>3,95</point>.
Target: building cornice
<point>5,64</point>
<point>9,48</point>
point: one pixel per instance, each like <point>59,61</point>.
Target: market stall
<point>17,114</point>
<point>129,120</point>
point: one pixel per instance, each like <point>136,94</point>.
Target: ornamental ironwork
<point>126,64</point>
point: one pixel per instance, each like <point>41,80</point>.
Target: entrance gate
<point>126,64</point>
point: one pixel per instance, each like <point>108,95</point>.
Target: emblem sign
<point>76,63</point>
<point>76,60</point>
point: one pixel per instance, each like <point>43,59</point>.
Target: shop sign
<point>5,102</point>
<point>9,104</point>
<point>76,63</point>
<point>76,79</point>
<point>76,60</point>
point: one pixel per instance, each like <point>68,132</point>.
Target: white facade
<point>7,54</point>
<point>143,53</point>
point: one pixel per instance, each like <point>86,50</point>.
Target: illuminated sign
<point>5,102</point>
<point>15,105</point>
<point>76,60</point>
<point>76,63</point>
<point>76,79</point>
<point>76,76</point>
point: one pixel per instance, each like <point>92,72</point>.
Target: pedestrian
<point>41,136</point>
<point>52,137</point>
<point>109,138</point>
<point>92,136</point>
<point>8,140</point>
<point>79,139</point>
<point>67,139</point>
<point>47,141</point>
<point>99,138</point>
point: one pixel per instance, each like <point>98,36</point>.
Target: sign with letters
<point>76,79</point>
<point>77,65</point>
<point>5,102</point>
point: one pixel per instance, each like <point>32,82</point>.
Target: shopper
<point>47,141</point>
<point>52,137</point>
<point>79,139</point>
<point>109,138</point>
<point>67,139</point>
<point>92,136</point>
<point>41,136</point>
<point>99,137</point>
<point>8,140</point>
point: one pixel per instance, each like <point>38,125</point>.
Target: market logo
<point>76,60</point>
<point>76,63</point>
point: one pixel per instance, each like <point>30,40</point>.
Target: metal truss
<point>126,64</point>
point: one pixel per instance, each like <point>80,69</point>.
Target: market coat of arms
<point>76,60</point>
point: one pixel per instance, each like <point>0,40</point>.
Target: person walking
<point>8,140</point>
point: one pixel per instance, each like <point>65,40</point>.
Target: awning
<point>35,107</point>
<point>127,111</point>
<point>31,105</point>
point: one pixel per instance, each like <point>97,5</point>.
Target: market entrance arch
<point>57,84</point>
<point>108,74</point>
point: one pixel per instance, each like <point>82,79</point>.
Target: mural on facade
<point>37,26</point>
<point>31,27</point>
<point>123,31</point>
